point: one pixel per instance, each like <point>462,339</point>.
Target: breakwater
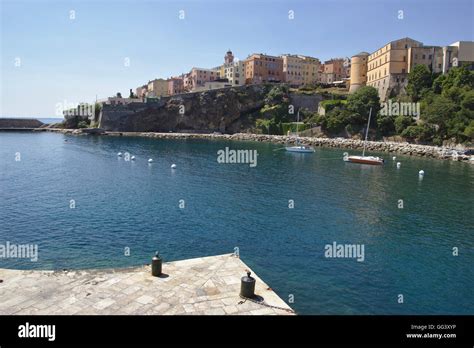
<point>19,123</point>
<point>350,144</point>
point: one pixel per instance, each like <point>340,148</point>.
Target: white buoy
<point>421,172</point>
<point>394,158</point>
<point>399,164</point>
<point>150,160</point>
<point>132,158</point>
<point>119,154</point>
<point>173,166</point>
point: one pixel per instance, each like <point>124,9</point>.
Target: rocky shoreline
<point>428,151</point>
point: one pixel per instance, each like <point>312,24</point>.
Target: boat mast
<point>367,132</point>
<point>297,121</point>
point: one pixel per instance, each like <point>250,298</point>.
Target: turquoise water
<point>120,204</point>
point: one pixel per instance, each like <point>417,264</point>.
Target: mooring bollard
<point>156,265</point>
<point>247,286</point>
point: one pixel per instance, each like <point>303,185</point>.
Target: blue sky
<point>75,60</point>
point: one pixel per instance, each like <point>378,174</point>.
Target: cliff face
<point>223,110</point>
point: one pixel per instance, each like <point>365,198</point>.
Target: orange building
<point>260,68</point>
<point>333,70</point>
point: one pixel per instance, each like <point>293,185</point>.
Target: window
<point>430,57</point>
<point>423,56</point>
<point>404,58</point>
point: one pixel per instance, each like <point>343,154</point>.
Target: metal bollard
<point>156,265</point>
<point>247,286</point>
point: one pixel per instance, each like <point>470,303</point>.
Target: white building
<point>234,72</point>
<point>457,54</point>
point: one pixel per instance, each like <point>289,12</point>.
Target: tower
<point>229,57</point>
<point>358,71</point>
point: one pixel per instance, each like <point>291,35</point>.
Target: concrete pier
<point>206,285</point>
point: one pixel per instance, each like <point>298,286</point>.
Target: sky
<point>52,57</point>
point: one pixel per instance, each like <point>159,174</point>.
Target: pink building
<point>197,77</point>
<point>176,85</point>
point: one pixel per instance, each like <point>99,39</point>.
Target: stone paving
<point>202,286</point>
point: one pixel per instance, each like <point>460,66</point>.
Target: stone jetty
<point>206,286</point>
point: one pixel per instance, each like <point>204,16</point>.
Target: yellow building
<point>387,68</point>
<point>300,70</point>
<point>157,88</point>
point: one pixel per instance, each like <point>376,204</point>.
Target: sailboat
<point>298,147</point>
<point>365,159</point>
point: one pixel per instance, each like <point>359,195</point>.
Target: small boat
<point>298,147</point>
<point>365,159</point>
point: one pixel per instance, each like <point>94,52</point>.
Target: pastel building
<point>260,68</point>
<point>141,91</point>
<point>198,77</point>
<point>233,70</point>
<point>176,85</point>
<point>300,70</point>
<point>334,70</point>
<point>157,88</point>
<point>430,56</point>
<point>387,67</point>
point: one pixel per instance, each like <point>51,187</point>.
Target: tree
<point>469,131</point>
<point>361,101</point>
<point>458,77</point>
<point>385,124</point>
<point>419,79</point>
<point>437,86</point>
<point>468,101</point>
<point>439,111</point>
<point>402,122</point>
<point>335,121</point>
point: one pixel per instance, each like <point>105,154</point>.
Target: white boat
<point>365,159</point>
<point>298,147</point>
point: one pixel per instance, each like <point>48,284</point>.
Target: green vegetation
<point>331,104</point>
<point>275,111</point>
<point>446,105</point>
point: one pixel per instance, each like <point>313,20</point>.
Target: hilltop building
<point>457,54</point>
<point>260,68</point>
<point>157,88</point>
<point>176,85</point>
<point>300,70</point>
<point>198,77</point>
<point>335,70</point>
